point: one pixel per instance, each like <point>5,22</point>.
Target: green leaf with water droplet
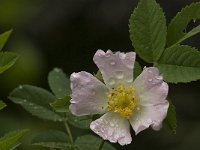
<point>176,29</point>
<point>61,104</point>
<point>7,59</point>
<point>52,139</point>
<point>59,83</point>
<point>148,30</point>
<point>91,142</point>
<point>170,121</point>
<point>36,101</point>
<point>79,121</point>
<point>3,38</point>
<point>2,105</point>
<point>11,139</point>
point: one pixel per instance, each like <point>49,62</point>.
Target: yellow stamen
<point>122,100</point>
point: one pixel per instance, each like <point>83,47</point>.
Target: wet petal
<point>116,68</point>
<point>149,116</point>
<point>113,128</point>
<point>150,87</point>
<point>88,94</point>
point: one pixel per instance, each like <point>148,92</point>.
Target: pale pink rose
<point>121,101</point>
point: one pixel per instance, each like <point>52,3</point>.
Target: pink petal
<point>149,116</point>
<point>150,87</point>
<point>88,94</point>
<point>116,68</point>
<point>113,128</point>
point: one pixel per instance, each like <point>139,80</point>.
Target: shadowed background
<point>66,34</point>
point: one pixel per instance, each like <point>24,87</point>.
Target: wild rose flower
<point>141,103</point>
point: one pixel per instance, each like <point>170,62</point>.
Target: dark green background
<point>66,34</point>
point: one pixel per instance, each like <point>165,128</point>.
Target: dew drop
<point>159,78</point>
<point>101,54</point>
<point>119,74</point>
<point>149,121</point>
<point>112,63</point>
<point>150,80</point>
<point>111,81</point>
<point>129,79</point>
<point>122,55</point>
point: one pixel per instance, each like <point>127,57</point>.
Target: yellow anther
<point>122,100</point>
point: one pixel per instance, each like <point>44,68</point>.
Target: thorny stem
<point>101,145</point>
<point>68,131</point>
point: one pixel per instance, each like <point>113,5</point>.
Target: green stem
<point>68,131</point>
<point>101,145</point>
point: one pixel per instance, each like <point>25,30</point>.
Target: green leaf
<point>148,30</point>
<point>2,105</point>
<point>10,140</point>
<point>7,59</point>
<point>99,76</point>
<point>170,121</point>
<point>137,69</point>
<point>61,104</point>
<point>59,83</point>
<point>79,121</point>
<point>3,38</point>
<point>36,101</point>
<point>176,29</point>
<point>90,142</point>
<point>180,64</point>
<point>52,139</point>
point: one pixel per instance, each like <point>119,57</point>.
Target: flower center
<point>122,100</point>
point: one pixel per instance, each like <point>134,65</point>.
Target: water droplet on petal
<point>112,63</point>
<point>159,78</point>
<point>101,54</point>
<point>122,56</point>
<point>149,121</point>
<point>150,80</point>
<point>111,81</point>
<point>119,74</point>
<point>129,79</point>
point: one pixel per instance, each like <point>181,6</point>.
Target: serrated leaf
<point>176,29</point>
<point>148,30</point>
<point>137,69</point>
<point>180,64</point>
<point>7,59</point>
<point>59,83</point>
<point>2,105</point>
<point>11,140</point>
<point>3,38</point>
<point>79,121</point>
<point>52,139</point>
<point>90,142</point>
<point>61,104</point>
<point>170,121</point>
<point>36,101</point>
